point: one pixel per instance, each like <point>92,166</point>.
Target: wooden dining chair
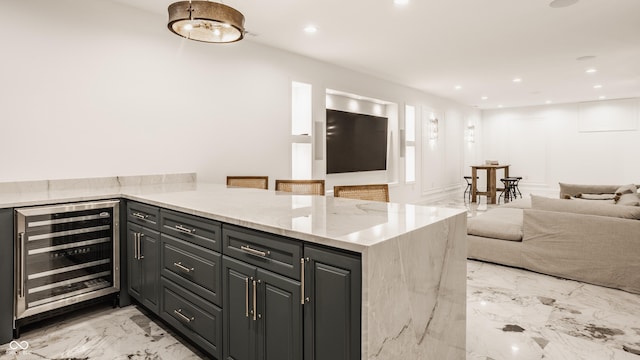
<point>256,182</point>
<point>301,187</point>
<point>373,192</point>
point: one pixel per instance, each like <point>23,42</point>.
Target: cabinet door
<point>332,316</point>
<point>150,262</point>
<point>238,298</point>
<point>279,317</point>
<point>134,267</point>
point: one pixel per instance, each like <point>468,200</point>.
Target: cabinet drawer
<point>193,267</point>
<point>195,318</point>
<point>271,252</point>
<point>197,230</point>
<point>145,215</point>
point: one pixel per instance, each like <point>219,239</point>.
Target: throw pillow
<point>575,189</point>
<point>585,207</point>
<point>599,201</point>
<point>627,189</point>
<point>629,200</point>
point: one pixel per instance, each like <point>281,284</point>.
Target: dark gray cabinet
<point>332,310</point>
<point>265,297</point>
<point>191,278</point>
<point>143,252</point>
<point>193,316</point>
<point>262,313</point>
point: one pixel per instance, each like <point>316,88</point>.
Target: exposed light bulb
<point>188,27</point>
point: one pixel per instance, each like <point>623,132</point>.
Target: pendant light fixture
<point>206,21</point>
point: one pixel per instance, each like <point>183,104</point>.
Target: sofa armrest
<point>597,249</point>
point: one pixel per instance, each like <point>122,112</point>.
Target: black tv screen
<point>355,142</point>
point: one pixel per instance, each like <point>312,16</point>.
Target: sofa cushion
<point>629,200</point>
<point>499,223</point>
<point>627,189</point>
<point>584,207</point>
<point>575,189</point>
<point>522,203</point>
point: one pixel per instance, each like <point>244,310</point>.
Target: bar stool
<point>508,191</point>
<point>468,189</point>
<point>515,186</point>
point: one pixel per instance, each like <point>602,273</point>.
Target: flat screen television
<point>355,142</point>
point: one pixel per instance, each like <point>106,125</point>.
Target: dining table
<point>492,188</point>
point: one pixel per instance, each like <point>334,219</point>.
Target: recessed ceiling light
<point>602,97</point>
<point>500,106</point>
<point>401,2</point>
<point>585,58</point>
<point>517,80</point>
<point>310,29</point>
<point>562,3</point>
<point>457,87</point>
<point>484,97</point>
<point>591,70</point>
<point>548,102</point>
<point>597,86</point>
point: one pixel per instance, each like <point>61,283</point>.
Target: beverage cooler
<point>65,254</point>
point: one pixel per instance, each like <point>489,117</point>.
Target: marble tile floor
<point>100,333</point>
<point>511,314</point>
<point>519,314</point>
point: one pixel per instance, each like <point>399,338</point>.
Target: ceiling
<point>479,45</point>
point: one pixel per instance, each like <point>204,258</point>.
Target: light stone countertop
<point>342,223</point>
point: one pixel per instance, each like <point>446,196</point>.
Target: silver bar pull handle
<point>246,297</point>
<point>23,250</point>
<point>255,300</point>
<point>140,216</point>
<point>302,281</point>
<point>184,229</point>
<point>135,245</point>
<point>140,256</point>
<point>182,316</point>
<point>250,250</point>
<point>182,267</point>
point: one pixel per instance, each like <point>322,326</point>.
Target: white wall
<point>549,144</point>
<point>95,88</point>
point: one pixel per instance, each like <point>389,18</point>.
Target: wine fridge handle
<point>21,259</point>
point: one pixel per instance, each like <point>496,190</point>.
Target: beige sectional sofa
<point>595,241</point>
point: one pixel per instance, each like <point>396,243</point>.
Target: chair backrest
<point>373,192</point>
<point>303,187</point>
<point>256,182</point>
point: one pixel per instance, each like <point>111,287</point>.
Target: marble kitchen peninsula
<point>413,257</point>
